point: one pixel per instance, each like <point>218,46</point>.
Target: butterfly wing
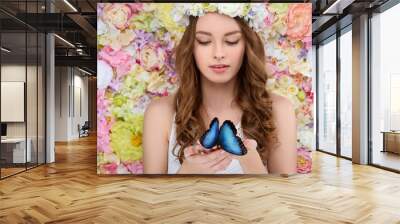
<point>210,138</point>
<point>229,141</point>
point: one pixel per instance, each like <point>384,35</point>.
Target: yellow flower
<point>293,90</point>
<point>209,7</point>
<point>136,140</point>
<point>155,82</point>
<point>163,13</point>
<point>117,39</point>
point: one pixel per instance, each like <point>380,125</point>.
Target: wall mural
<point>135,43</point>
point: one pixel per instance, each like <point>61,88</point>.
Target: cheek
<point>237,55</point>
<point>199,56</point>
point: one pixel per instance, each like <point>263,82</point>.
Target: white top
<point>173,161</point>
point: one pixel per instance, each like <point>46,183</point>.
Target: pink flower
<point>307,40</point>
<point>309,97</point>
<point>119,14</point>
<point>299,21</point>
<point>298,78</point>
<point>135,7</point>
<point>135,167</point>
<point>118,59</point>
<point>110,168</point>
<point>102,103</point>
<point>152,57</point>
<point>103,135</point>
<point>306,110</point>
<point>104,123</point>
<point>304,160</point>
<point>270,68</point>
<point>269,18</point>
<point>307,85</point>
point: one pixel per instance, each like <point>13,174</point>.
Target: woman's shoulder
<point>280,103</point>
<point>282,109</point>
<point>162,107</point>
<point>160,112</point>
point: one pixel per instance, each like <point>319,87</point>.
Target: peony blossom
<point>304,161</point>
<point>299,21</point>
<point>151,57</point>
<point>118,15</point>
<point>135,167</point>
<point>118,59</point>
<point>110,168</point>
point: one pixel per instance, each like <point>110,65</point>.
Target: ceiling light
<point>5,50</point>
<point>84,71</point>
<point>70,5</point>
<point>337,7</point>
<point>65,41</point>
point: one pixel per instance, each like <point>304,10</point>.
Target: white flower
<point>143,76</point>
<point>256,16</point>
<point>306,136</point>
<point>122,169</point>
<point>231,9</point>
<point>101,27</point>
<point>253,13</point>
<point>154,25</point>
<point>104,74</point>
<point>179,14</point>
<point>196,9</point>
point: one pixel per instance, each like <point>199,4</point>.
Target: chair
<point>84,130</point>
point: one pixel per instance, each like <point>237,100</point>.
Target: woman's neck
<point>219,100</point>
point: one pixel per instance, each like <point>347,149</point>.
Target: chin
<point>218,78</point>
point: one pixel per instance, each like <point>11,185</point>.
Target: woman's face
<point>219,47</point>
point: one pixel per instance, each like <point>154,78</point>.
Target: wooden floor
<point>70,191</point>
<point>387,159</point>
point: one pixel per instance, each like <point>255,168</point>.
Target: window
<point>346,93</point>
<point>327,96</point>
<point>385,89</point>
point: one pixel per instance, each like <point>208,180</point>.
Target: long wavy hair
<point>254,100</point>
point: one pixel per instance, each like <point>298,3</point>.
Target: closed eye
<point>232,42</point>
<point>208,42</point>
<point>203,42</point>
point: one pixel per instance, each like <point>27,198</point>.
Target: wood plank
<point>70,191</point>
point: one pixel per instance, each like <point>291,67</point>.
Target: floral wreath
<point>253,13</point>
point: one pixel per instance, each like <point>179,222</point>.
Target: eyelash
<point>228,42</point>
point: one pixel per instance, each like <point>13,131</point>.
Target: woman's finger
<point>218,156</point>
<point>222,164</point>
<point>189,151</point>
<point>207,158</point>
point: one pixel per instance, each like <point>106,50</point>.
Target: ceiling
<point>332,15</point>
<point>76,25</point>
<point>75,21</point>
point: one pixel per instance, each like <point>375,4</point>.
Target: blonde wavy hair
<point>254,100</point>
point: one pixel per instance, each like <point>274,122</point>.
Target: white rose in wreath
<point>230,9</point>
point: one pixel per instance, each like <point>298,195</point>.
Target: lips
<point>219,68</point>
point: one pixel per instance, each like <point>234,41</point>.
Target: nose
<point>219,52</point>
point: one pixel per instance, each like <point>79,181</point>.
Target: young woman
<point>221,65</point>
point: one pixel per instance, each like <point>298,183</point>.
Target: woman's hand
<point>251,162</point>
<point>199,160</point>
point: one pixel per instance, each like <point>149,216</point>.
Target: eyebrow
<point>227,34</point>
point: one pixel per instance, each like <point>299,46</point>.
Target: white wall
<point>16,73</point>
<point>71,94</point>
<point>33,127</point>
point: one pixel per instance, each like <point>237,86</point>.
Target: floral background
<point>134,65</point>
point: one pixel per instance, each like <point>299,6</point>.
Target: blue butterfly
<point>225,137</point>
